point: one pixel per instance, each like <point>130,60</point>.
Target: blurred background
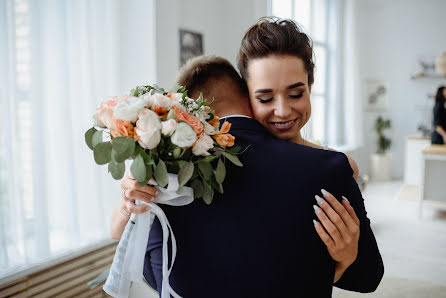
<point>378,66</point>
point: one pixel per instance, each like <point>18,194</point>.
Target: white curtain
<point>352,83</point>
<point>58,60</point>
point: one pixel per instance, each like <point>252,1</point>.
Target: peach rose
<point>105,111</point>
<point>124,128</point>
<point>193,121</point>
<point>222,137</point>
<point>225,140</point>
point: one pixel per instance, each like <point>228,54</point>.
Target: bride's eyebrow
<point>263,91</point>
<point>295,85</point>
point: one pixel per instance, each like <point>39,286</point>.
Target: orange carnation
<point>193,121</point>
<point>161,111</point>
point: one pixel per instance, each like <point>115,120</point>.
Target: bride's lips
<point>285,125</point>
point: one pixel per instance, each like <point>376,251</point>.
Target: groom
<point>258,239</point>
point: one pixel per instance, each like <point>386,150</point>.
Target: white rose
<point>203,145</point>
<point>209,129</point>
<point>97,121</point>
<point>184,136</point>
<point>148,128</point>
<point>128,109</point>
<point>161,100</point>
<point>148,99</point>
<point>168,127</point>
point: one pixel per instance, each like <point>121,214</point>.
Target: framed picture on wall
<point>376,95</point>
<point>191,45</point>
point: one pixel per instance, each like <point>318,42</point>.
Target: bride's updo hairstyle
<point>275,36</point>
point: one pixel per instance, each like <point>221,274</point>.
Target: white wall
<point>222,24</point>
<point>392,36</point>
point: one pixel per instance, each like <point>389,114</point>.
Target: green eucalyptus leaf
<point>198,188</point>
<point>161,174</point>
<point>220,173</point>
<point>208,193</point>
<point>89,137</point>
<point>102,153</point>
<point>206,169</point>
<point>233,158</point>
<point>148,175</point>
<point>123,148</point>
<point>185,173</point>
<point>138,169</point>
<point>97,138</point>
<point>117,170</point>
<point>209,158</point>
<point>182,163</point>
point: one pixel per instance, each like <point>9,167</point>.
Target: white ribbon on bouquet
<point>128,262</point>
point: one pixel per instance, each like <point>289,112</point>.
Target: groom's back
<point>258,239</point>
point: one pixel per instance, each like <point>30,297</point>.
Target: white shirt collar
<point>234,116</point>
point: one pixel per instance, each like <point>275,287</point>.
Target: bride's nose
<point>282,108</point>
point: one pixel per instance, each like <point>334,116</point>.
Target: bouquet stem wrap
<point>128,262</point>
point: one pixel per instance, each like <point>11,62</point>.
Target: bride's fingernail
<point>317,209</point>
<point>346,199</point>
<point>319,200</point>
<point>146,208</point>
<point>157,193</point>
<point>316,224</point>
<point>324,192</point>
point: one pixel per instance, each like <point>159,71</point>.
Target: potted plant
<point>380,161</point>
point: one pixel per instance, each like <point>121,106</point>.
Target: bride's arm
<point>131,191</point>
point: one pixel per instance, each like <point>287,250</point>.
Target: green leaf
<point>102,153</point>
<point>123,148</point>
<point>97,138</point>
<point>220,173</point>
<point>209,158</point>
<point>116,169</point>
<point>148,160</point>
<point>198,188</point>
<point>138,169</point>
<point>206,169</point>
<point>182,163</point>
<point>233,158</point>
<point>208,193</point>
<point>185,173</point>
<point>89,136</point>
<point>148,175</point>
<point>161,174</point>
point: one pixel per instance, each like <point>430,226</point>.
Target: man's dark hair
<point>199,73</point>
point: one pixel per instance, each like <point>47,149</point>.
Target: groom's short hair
<point>199,74</point>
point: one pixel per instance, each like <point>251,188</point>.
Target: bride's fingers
<point>133,184</point>
<point>333,216</point>
<point>328,225</point>
<point>350,210</point>
<point>340,210</point>
<point>323,235</point>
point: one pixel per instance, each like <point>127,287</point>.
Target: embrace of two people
<point>291,221</point>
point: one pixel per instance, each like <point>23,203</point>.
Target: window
<point>318,18</point>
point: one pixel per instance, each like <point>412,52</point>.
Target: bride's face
<point>280,95</point>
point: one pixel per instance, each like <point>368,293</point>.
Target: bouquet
<point>173,138</point>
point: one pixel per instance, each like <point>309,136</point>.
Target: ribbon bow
<point>128,262</point>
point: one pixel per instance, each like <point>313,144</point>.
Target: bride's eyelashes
<point>263,100</point>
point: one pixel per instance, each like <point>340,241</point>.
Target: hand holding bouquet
<point>175,139</point>
<point>163,133</point>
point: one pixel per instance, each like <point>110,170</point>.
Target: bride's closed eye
<point>264,99</point>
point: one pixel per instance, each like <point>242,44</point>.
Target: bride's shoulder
<point>351,161</point>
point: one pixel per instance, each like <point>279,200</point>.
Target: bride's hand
<point>341,233</point>
<point>132,191</point>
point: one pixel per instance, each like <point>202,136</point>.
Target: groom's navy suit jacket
<point>258,238</point>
